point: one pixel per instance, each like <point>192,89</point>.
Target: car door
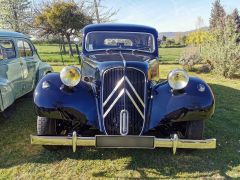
<point>10,71</point>
<point>29,62</point>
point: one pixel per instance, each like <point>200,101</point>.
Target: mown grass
<point>170,55</point>
<point>20,160</point>
<point>51,53</point>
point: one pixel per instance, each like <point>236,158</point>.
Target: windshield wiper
<point>141,48</point>
<point>125,49</point>
<point>114,49</point>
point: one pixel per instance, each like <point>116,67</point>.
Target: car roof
<point>119,27</point>
<point>5,33</point>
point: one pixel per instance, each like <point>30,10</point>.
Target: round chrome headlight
<point>178,79</point>
<point>70,76</point>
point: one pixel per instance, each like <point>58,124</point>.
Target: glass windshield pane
<point>120,40</point>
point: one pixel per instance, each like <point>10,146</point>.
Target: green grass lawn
<point>51,53</point>
<point>20,160</point>
<point>170,55</point>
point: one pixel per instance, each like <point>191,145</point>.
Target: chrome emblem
<point>124,122</point>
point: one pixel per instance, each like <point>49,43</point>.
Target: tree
<point>15,15</point>
<point>102,13</point>
<point>236,18</point>
<point>217,15</point>
<point>64,18</point>
<point>178,37</point>
<point>164,38</point>
<point>198,38</point>
<point>184,40</point>
<point>199,23</point>
<point>170,42</point>
<point>222,51</point>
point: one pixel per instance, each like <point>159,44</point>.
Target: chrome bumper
<point>148,142</point>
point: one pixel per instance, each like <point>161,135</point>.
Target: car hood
<point>118,57</point>
<point>94,65</point>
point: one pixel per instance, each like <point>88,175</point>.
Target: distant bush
<point>190,57</point>
<point>172,46</point>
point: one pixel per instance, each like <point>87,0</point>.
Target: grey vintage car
<point>20,67</point>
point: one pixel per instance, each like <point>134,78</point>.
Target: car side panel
<point>10,79</point>
<point>187,105</point>
<point>6,94</point>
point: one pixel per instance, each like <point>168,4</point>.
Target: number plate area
<point>115,141</point>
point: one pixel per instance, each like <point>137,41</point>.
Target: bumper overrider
<point>115,141</point>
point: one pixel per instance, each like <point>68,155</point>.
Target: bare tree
<point>15,15</point>
<point>199,23</point>
<point>102,13</point>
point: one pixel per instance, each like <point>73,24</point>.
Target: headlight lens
<point>178,79</point>
<point>70,76</point>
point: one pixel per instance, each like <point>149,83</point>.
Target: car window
<point>28,49</point>
<point>102,40</point>
<point>24,49</point>
<point>7,49</point>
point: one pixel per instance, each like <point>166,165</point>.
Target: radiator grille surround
<point>123,89</point>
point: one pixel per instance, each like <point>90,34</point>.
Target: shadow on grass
<point>16,148</point>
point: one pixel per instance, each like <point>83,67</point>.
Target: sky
<point>166,15</point>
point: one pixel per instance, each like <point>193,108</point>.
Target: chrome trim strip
<point>124,122</point>
<point>132,141</point>
<point>135,104</point>
<point>114,102</point>
<point>145,94</point>
<point>97,105</point>
<point>134,90</point>
<point>114,90</point>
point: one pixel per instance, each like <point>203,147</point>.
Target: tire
<point>7,113</point>
<point>47,127</point>
<point>194,130</point>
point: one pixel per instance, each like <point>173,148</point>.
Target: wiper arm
<point>114,49</point>
<point>141,48</point>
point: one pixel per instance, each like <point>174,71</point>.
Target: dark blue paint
<point>121,27</point>
<point>79,103</point>
<point>59,102</point>
<point>190,104</point>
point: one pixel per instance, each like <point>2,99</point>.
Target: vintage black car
<point>116,99</point>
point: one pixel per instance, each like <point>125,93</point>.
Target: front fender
<point>187,105</point>
<point>59,102</point>
<point>43,69</point>
<point>6,94</point>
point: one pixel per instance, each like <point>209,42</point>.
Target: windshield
<point>107,40</point>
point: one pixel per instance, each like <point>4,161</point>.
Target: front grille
<point>132,99</point>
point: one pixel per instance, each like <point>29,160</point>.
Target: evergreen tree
<point>222,50</point>
<point>236,18</point>
<point>217,15</point>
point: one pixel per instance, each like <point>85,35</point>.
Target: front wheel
<point>194,130</point>
<point>47,127</point>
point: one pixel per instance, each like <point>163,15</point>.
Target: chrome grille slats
<point>133,83</point>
